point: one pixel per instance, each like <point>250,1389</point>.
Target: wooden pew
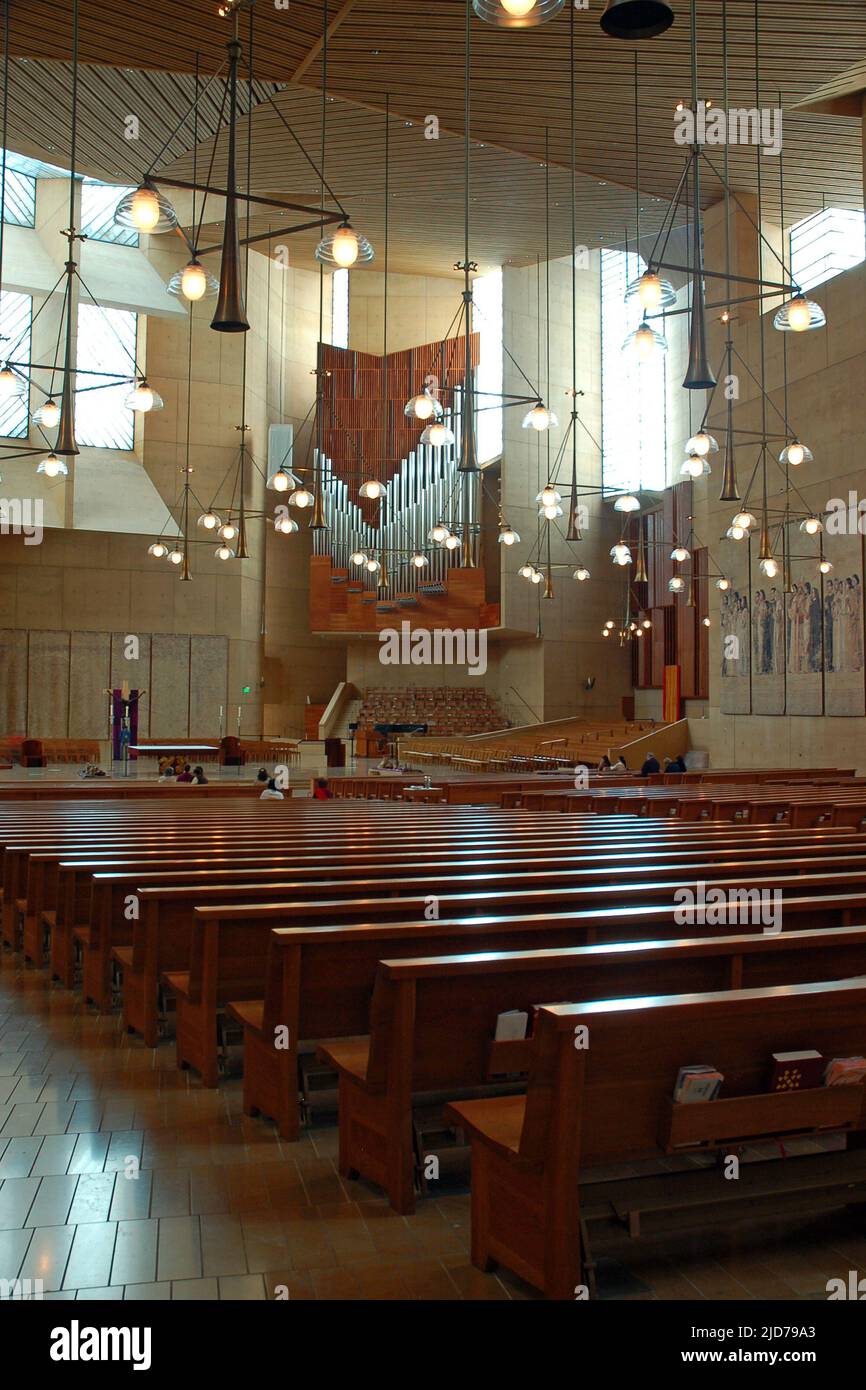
<point>611,1102</point>
<point>433,1020</point>
<point>319,980</point>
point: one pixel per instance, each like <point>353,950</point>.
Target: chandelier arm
<point>790,287</point>
<point>149,174</point>
<point>224,99</point>
<point>312,163</point>
<point>95,301</point>
<point>669,216</point>
<point>769,400</point>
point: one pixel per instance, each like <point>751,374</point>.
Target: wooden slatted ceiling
<point>520,87</point>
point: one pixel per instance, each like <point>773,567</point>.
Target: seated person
<point>620,765</point>
<point>651,765</point>
<point>186,775</point>
<point>322,791</point>
<point>386,765</point>
<point>677,764</point>
<point>605,765</point>
<point>271,792</point>
<point>198,777</point>
<point>262,775</point>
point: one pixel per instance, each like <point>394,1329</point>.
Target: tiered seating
<point>447,710</point>
<point>308,922</point>
<point>526,749</point>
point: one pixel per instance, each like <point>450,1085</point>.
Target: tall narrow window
<point>106,344</point>
<point>487,300</point>
<point>16,313</point>
<point>19,205</point>
<point>98,201</point>
<point>632,392</point>
<point>825,244</point>
<point>340,308</point>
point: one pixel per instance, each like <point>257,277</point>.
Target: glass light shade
<point>708,622</point>
<point>285,525</point>
<point>825,567</point>
<point>627,503</point>
<point>526,571</point>
<point>539,418</point>
<point>695,467</point>
<point>796,453</point>
<point>723,584</point>
<point>48,414</point>
<point>517,14</point>
<point>679,553</point>
<point>702,444</point>
<point>344,248</point>
<point>53,467</point>
<point>736,533</point>
<point>194,283</point>
<point>357,558</point>
<point>423,407</point>
<point>146,210</point>
<point>651,292</point>
<point>811,526</point>
<point>419,560</point>
<point>646,624</point>
<point>620,554</point>
<point>224,552</point>
<point>142,398</point>
<point>281,481</point>
<point>769,567</point>
<point>645,342</point>
<point>372,565</point>
<point>537,577</point>
<point>550,513</point>
<point>11,384</point>
<point>744,520</point>
<point>227,531</point>
<point>676,585</point>
<point>301,498</point>
<point>605,632</point>
<point>549,496</point>
<point>157,550</point>
<point>208,521</point>
<point>437,435</point>
<point>508,536</point>
<point>371,490</point>
<point>175,556</point>
<point>581,574</point>
<point>439,533</point>
<point>799,315</point>
<point>452,542</point>
<point>610,625</point>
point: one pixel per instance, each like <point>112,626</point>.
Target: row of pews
<point>382,946</point>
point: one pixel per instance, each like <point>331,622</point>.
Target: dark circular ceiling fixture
<point>636,19</point>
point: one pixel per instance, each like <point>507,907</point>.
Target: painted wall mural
<point>797,653</point>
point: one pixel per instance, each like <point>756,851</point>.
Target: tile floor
<point>121,1178</point>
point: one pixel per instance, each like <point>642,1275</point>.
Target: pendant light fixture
<point>146,210</point>
<point>800,315</point>
<point>48,414</point>
<point>230,314</point>
<point>344,248</point>
<point>636,19</point>
<point>796,453</point>
<point>193,282</point>
<point>143,398</point>
<point>437,435</point>
<point>517,14</point>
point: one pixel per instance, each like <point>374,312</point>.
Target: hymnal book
<point>511,1026</point>
<point>696,1083</point>
<point>796,1071</point>
<point>845,1071</point>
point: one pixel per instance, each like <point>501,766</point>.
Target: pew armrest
<point>350,1057</point>
<point>497,1122</point>
<point>249,1013</point>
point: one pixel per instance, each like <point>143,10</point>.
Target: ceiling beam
<point>306,63</point>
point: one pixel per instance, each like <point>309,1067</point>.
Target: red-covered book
<point>796,1071</point>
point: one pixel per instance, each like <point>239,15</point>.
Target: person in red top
<point>323,791</point>
<point>186,775</point>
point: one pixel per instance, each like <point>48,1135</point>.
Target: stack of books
<point>697,1083</point>
<point>845,1071</point>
